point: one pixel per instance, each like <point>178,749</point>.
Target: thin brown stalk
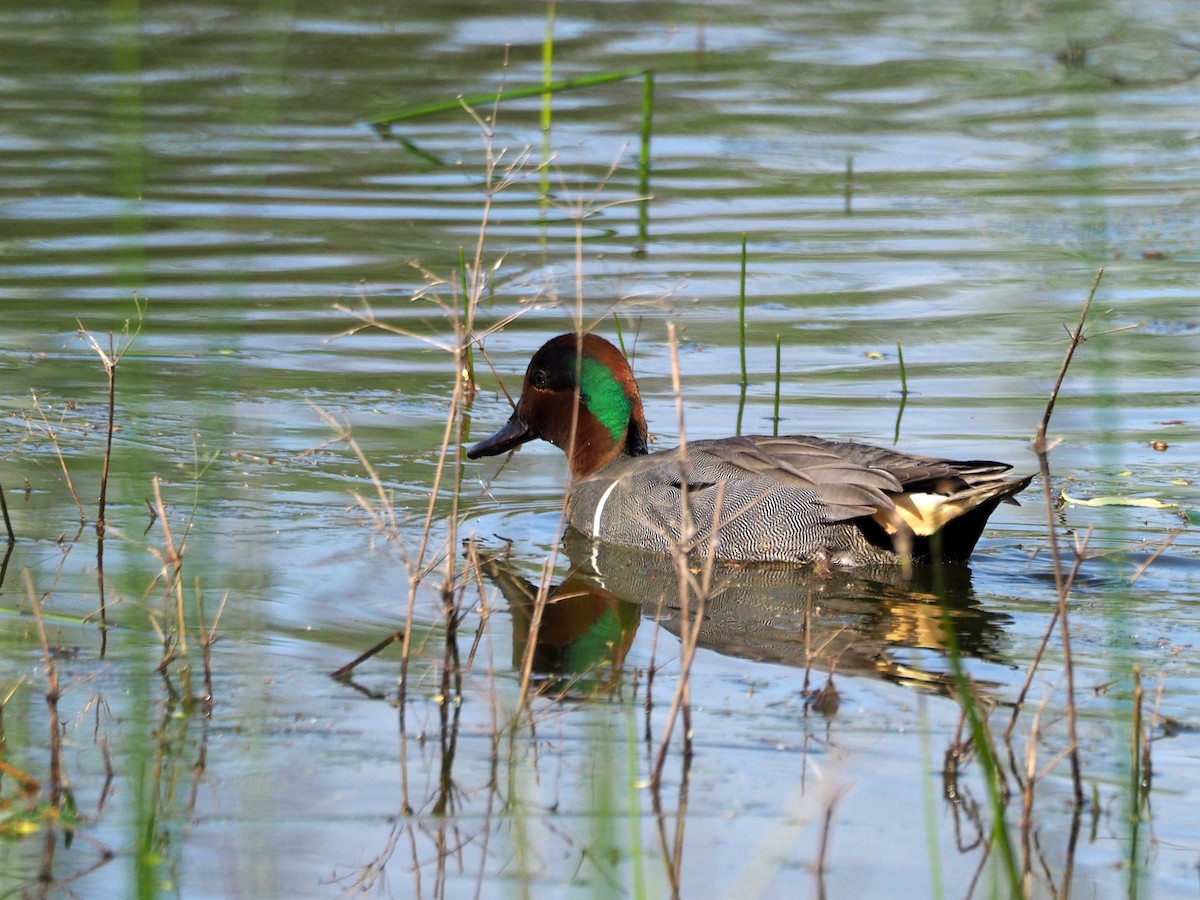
<point>1042,448</point>
<point>1076,338</point>
<point>343,672</point>
<point>819,865</point>
<point>103,611</point>
<point>1139,756</point>
<point>1080,549</point>
<point>62,462</point>
<point>208,637</point>
<point>671,845</point>
<point>474,570</point>
<point>7,521</point>
<point>58,773</point>
<point>1027,794</point>
<point>29,785</point>
<point>471,286</point>
<point>1155,555</point>
<point>110,369</point>
<point>110,359</point>
<point>578,214</point>
<point>689,620</point>
<point>175,644</point>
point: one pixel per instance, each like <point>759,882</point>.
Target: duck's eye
<point>538,378</point>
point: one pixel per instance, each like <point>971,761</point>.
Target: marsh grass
<point>1010,764</point>
<point>445,660</point>
<point>903,393</point>
<point>12,537</point>
<point>48,805</point>
<point>1017,773</point>
<point>385,123</point>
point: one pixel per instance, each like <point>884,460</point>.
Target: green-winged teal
<point>787,499</point>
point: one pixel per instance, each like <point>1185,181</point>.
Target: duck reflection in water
<point>883,622</point>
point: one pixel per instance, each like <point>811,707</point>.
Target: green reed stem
<point>517,93</point>
<point>742,314</point>
<point>547,76</point>
<point>778,379</point>
<point>990,767</point>
<point>741,410</point>
<point>848,184</point>
<point>620,336</point>
<point>465,289</point>
<point>930,801</point>
<point>644,161</point>
<point>637,855</point>
<point>547,102</point>
<point>1136,773</point>
<point>903,394</point>
<point>1137,792</point>
<point>7,521</point>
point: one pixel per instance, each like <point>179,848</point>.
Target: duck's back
<point>793,498</point>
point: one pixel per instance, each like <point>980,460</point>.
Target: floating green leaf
<point>1148,502</point>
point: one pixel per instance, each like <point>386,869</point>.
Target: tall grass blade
<point>1062,586</point>
<point>903,394</point>
<point>930,801</point>
<point>848,185</point>
<point>778,378</point>
<point>7,521</point>
<point>512,93</point>
<point>620,336</point>
<point>741,409</point>
<point>644,161</point>
<point>742,314</point>
<point>469,294</point>
<point>990,766</point>
<point>547,101</point>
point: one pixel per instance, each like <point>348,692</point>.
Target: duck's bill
<point>512,435</point>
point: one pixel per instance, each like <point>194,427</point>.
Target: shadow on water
<point>880,622</point>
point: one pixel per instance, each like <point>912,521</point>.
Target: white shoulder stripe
<point>600,508</point>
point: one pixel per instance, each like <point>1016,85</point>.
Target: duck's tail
<point>941,527</point>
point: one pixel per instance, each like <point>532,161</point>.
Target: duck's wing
<point>850,479</point>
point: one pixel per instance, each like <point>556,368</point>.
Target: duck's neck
<point>610,423</point>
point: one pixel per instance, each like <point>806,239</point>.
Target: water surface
<point>213,161</point>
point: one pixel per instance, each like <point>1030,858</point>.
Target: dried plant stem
<point>819,866</point>
<point>208,637</point>
<point>1027,795</point>
<point>1139,770</point>
<point>110,359</point>
<point>110,368</point>
<point>778,380</point>
<point>7,521</point>
<point>1076,339</point>
<point>1042,448</point>
<point>848,185</point>
<point>691,619</point>
<point>690,587</point>
<point>58,775</point>
<point>172,562</point>
<point>1080,548</point>
<point>579,214</point>
<point>1153,556</point>
<point>62,462</point>
<point>343,672</point>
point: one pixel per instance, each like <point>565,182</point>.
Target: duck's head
<point>579,394</point>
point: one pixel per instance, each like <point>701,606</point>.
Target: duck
<point>745,499</point>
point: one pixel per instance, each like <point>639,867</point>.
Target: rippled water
<point>214,161</point>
